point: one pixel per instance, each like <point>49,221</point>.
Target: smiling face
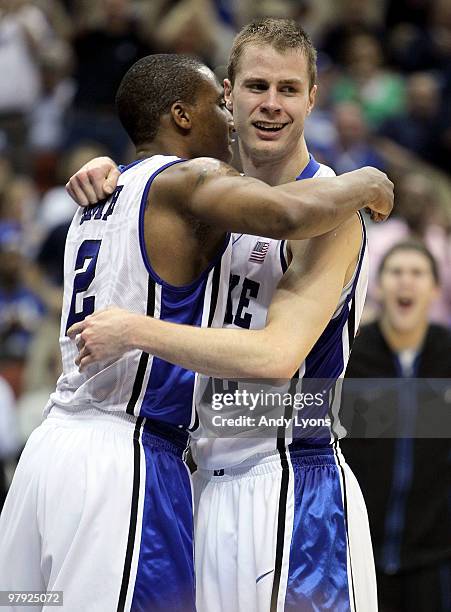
<point>406,290</point>
<point>270,100</point>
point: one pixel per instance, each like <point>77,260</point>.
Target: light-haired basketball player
<point>278,525</point>
<point>100,505</point>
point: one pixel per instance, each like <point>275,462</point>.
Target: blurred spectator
<point>23,32</point>
<point>439,31</point>
<point>196,27</point>
<point>410,43</point>
<point>51,254</point>
<point>411,48</point>
<point>299,10</point>
<point>9,433</point>
<point>18,203</point>
<point>366,81</point>
<point>350,18</point>
<point>442,40</point>
<point>48,116</point>
<point>57,207</point>
<point>6,173</point>
<point>405,479</point>
<point>58,17</point>
<point>103,53</point>
<point>407,12</point>
<point>421,38</point>
<point>352,147</point>
<point>320,131</point>
<point>418,216</point>
<point>420,129</point>
<point>21,310</point>
<point>43,366</point>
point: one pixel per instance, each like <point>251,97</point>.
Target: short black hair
<point>150,87</point>
<point>412,245</point>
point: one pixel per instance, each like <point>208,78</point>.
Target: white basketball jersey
<point>257,267</point>
<point>106,264</point>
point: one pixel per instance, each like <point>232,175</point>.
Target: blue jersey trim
<point>325,360</point>
<point>309,172</point>
<point>123,168</point>
<point>142,243</point>
<point>361,256</point>
<point>355,277</point>
<point>310,169</point>
<point>283,261</point>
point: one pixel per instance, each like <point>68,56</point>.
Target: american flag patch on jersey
<point>259,252</point>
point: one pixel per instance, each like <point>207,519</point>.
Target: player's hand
<point>381,199</point>
<point>102,336</point>
<point>95,181</point>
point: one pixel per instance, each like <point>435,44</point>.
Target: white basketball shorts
<point>101,509</point>
<point>287,532</point>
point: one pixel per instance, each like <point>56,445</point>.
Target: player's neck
<point>403,340</point>
<point>163,146</point>
<point>276,171</point>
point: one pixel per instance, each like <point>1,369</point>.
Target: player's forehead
<point>263,61</point>
<point>210,84</point>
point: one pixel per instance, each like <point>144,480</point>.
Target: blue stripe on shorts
<point>165,573</point>
<point>317,579</point>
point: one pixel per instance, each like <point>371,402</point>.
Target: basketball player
<point>100,505</point>
<point>278,525</point>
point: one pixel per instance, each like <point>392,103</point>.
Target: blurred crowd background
<point>384,99</point>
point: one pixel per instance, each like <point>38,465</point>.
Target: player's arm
<point>301,308</point>
<point>216,194</point>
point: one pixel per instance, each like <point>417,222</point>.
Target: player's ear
<point>181,115</point>
<point>311,99</point>
<point>228,96</point>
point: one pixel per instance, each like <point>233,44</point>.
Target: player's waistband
<point>274,461</point>
<point>163,436</point>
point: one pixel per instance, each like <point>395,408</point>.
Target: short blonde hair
<point>282,34</point>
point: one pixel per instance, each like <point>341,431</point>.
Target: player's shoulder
<point>353,226</point>
<point>146,165</point>
<point>201,168</point>
<point>176,185</point>
<point>184,178</point>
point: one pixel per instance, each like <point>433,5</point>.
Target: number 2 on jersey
<point>88,251</point>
